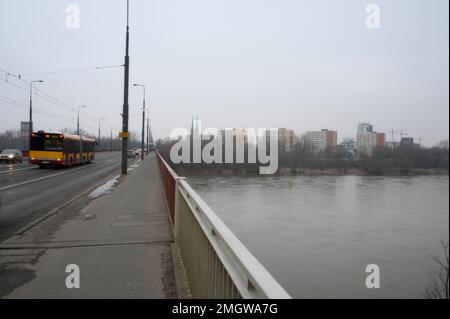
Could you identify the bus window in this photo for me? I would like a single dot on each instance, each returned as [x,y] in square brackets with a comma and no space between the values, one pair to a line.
[53,145]
[41,143]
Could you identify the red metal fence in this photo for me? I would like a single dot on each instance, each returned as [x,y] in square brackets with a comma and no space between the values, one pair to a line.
[169,178]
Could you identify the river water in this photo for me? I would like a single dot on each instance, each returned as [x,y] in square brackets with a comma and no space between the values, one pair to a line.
[316,235]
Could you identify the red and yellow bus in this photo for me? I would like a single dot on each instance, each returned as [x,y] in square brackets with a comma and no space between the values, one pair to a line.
[60,149]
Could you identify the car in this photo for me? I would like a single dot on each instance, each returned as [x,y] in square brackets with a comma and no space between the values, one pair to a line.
[137,151]
[131,154]
[11,156]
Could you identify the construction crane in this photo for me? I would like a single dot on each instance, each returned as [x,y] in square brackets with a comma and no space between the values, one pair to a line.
[420,139]
[401,133]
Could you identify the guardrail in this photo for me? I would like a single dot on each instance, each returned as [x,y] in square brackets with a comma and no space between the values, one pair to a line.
[217,264]
[169,178]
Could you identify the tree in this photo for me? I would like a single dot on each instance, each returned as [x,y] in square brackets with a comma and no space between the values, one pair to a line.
[443,144]
[438,287]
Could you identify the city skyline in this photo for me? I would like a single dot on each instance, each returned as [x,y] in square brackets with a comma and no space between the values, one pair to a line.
[294,66]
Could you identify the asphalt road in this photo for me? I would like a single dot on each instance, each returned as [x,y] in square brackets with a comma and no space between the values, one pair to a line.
[27,192]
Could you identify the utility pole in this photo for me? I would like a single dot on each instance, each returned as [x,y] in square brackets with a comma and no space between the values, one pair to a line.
[30,125]
[100,119]
[125,98]
[392,135]
[148,133]
[78,119]
[143,121]
[111,141]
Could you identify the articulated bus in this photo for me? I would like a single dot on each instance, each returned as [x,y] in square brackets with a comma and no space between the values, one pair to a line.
[60,149]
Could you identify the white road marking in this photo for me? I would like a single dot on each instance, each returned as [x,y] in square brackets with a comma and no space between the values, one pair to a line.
[16,170]
[43,178]
[12,170]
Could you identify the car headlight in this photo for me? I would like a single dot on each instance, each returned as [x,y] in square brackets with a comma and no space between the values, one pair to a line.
[11,156]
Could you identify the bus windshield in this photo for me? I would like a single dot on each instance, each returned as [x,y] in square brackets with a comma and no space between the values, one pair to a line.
[42,143]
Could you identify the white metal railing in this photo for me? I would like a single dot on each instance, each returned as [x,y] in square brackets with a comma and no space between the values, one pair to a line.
[217,264]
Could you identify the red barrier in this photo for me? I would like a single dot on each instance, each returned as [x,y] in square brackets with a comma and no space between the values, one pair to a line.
[168,177]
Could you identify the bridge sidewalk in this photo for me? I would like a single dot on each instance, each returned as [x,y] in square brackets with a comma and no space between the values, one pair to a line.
[121,241]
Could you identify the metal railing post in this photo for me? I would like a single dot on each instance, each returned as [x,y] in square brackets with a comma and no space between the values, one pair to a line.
[177,210]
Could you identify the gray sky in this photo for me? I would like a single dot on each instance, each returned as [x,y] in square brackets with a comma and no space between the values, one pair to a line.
[304,65]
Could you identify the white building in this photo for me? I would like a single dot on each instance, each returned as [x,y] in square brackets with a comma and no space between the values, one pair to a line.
[367,140]
[320,141]
[286,139]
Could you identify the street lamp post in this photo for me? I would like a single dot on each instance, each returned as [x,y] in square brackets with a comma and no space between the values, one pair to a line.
[111,144]
[100,119]
[148,133]
[124,169]
[78,119]
[143,121]
[31,111]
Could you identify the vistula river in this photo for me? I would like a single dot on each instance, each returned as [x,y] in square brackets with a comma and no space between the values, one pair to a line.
[316,235]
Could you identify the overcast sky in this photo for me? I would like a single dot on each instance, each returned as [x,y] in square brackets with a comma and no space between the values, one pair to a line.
[304,65]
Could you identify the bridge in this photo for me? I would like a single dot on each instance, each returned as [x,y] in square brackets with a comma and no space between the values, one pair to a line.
[144,235]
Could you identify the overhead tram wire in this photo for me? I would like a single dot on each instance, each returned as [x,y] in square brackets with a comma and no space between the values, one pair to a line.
[72,70]
[11,101]
[44,95]
[68,107]
[23,106]
[38,92]
[47,96]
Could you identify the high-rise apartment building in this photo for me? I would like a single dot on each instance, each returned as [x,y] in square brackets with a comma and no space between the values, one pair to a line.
[367,139]
[320,141]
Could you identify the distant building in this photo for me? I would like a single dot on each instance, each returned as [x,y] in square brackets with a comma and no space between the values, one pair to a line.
[348,144]
[407,142]
[364,128]
[367,139]
[286,140]
[392,144]
[320,141]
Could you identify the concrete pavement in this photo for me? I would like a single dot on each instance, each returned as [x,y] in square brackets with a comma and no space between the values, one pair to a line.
[122,243]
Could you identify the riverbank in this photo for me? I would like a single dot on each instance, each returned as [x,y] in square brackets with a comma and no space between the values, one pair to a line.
[215,170]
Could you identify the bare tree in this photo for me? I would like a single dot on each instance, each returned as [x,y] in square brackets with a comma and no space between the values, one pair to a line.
[443,144]
[438,287]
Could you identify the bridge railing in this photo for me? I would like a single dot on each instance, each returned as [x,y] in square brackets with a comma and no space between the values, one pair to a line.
[217,264]
[168,177]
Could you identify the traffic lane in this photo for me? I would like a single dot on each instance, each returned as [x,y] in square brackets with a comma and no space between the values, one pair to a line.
[9,167]
[13,194]
[4,167]
[23,204]
[34,172]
